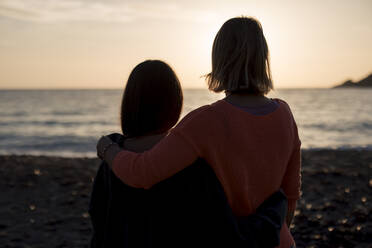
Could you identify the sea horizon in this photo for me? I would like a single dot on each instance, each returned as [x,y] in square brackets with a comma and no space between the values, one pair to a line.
[67,123]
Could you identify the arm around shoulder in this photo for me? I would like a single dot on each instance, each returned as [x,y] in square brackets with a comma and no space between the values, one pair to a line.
[143,170]
[180,148]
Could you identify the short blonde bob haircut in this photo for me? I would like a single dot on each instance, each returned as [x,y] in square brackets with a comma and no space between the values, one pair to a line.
[240,58]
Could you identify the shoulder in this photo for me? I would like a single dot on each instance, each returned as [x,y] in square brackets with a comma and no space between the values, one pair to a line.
[282,103]
[287,113]
[200,116]
[286,109]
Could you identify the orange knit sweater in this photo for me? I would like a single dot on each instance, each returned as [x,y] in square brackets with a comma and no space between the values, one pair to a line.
[252,156]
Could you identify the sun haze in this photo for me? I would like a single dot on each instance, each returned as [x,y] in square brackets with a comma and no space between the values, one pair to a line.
[95,44]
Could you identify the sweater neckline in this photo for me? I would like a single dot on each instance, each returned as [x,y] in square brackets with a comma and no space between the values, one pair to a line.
[237,109]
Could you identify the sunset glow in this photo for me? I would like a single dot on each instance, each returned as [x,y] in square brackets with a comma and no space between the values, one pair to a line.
[95,44]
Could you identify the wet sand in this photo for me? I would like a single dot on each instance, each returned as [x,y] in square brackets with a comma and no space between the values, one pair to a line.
[44,200]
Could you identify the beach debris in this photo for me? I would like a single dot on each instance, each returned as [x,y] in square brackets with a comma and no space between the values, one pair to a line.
[37,172]
[85,215]
[32,207]
[331,228]
[316,236]
[347,190]
[364,199]
[358,227]
[309,206]
[319,216]
[297,212]
[343,221]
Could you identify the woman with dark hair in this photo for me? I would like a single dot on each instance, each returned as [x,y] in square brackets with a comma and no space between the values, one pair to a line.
[189,207]
[151,105]
[152,100]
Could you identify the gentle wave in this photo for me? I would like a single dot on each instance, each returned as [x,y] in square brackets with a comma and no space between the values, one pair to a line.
[68,123]
[53,123]
[340,127]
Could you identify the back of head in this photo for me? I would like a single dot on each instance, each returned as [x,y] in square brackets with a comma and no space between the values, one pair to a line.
[240,58]
[152,99]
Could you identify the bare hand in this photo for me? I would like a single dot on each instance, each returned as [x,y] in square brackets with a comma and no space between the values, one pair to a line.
[102,143]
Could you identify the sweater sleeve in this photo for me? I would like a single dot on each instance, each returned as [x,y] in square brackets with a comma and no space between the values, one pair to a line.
[172,154]
[292,179]
[291,183]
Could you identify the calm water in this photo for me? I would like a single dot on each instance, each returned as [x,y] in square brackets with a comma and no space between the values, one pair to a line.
[68,123]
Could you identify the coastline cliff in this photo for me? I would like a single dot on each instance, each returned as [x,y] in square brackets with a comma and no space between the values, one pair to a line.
[365,82]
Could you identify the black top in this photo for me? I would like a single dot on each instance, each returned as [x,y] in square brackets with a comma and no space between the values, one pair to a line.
[189,209]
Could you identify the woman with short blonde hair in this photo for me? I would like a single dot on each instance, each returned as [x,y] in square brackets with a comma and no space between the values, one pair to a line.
[240,58]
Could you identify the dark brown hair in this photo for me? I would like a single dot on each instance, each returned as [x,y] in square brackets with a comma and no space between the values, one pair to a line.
[240,58]
[152,99]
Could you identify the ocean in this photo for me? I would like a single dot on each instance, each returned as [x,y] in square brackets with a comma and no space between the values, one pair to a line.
[68,123]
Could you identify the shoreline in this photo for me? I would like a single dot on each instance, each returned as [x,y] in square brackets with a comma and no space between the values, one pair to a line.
[44,200]
[68,155]
[94,155]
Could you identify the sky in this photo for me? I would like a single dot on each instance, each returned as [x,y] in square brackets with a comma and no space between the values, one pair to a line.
[95,44]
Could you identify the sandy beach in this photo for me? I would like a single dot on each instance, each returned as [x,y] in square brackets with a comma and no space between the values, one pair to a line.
[44,200]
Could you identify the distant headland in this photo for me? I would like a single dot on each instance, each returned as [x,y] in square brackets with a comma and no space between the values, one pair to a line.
[365,82]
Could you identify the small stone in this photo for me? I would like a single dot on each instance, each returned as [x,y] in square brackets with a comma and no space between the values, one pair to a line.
[358,228]
[85,215]
[37,172]
[308,206]
[347,190]
[330,229]
[32,221]
[32,207]
[364,199]
[343,221]
[316,236]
